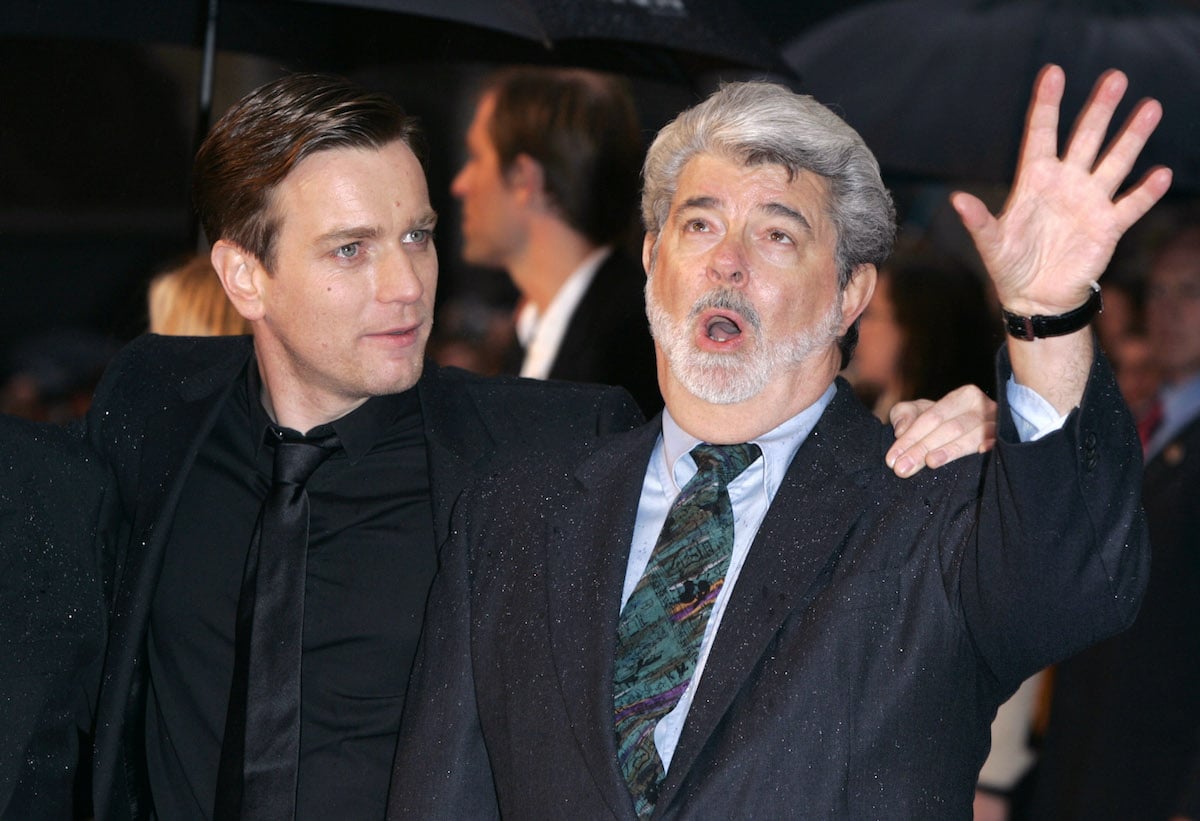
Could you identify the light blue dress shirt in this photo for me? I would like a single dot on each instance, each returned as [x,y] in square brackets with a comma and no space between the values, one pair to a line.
[751,493]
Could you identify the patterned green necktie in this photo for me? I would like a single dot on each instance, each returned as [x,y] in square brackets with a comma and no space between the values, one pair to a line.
[658,637]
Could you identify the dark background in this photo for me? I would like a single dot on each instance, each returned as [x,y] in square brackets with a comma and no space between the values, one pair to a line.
[99,115]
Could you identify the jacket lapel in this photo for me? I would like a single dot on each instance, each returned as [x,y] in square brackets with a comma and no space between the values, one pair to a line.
[458,439]
[588,549]
[790,560]
[170,440]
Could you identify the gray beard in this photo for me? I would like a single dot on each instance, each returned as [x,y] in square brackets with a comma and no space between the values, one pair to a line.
[729,378]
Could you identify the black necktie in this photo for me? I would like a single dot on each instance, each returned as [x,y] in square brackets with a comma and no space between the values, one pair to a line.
[260,752]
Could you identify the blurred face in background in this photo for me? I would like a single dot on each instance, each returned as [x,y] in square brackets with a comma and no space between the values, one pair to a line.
[1173,307]
[492,231]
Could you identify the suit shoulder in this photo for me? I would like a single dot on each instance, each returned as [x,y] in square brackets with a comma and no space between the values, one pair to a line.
[150,362]
[170,354]
[35,448]
[547,405]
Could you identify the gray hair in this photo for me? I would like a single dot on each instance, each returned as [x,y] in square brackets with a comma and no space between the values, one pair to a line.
[756,123]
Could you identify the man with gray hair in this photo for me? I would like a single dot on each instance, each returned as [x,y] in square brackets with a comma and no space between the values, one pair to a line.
[736,611]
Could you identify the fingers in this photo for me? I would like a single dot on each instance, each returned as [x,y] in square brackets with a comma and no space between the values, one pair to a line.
[1091,125]
[1134,203]
[1041,121]
[1123,152]
[961,423]
[904,414]
[977,219]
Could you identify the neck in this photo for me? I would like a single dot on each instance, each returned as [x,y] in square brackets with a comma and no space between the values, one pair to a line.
[294,404]
[782,399]
[547,260]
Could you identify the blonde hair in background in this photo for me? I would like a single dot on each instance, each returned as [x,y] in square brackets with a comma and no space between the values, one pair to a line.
[189,301]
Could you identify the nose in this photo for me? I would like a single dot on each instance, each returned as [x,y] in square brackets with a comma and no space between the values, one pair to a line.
[728,263]
[397,279]
[458,185]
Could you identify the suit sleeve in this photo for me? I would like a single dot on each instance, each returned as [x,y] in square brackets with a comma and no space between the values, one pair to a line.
[1060,558]
[442,769]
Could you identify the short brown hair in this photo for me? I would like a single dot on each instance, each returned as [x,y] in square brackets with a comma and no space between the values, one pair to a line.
[582,128]
[267,133]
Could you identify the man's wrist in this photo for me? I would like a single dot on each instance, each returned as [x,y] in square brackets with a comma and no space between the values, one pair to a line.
[1040,326]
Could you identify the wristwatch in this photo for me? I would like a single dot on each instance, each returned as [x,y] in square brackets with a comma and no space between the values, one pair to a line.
[1039,327]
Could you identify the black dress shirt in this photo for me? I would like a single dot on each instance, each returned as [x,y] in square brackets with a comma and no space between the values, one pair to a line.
[370,562]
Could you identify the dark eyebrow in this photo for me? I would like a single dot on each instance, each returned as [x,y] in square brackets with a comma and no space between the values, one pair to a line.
[777,209]
[700,202]
[356,232]
[780,210]
[426,220]
[349,234]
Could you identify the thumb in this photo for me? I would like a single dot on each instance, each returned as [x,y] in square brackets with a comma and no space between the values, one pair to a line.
[976,218]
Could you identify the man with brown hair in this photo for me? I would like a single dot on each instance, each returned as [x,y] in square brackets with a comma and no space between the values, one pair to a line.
[313,193]
[548,193]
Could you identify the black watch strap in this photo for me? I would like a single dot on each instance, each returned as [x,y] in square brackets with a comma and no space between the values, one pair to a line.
[1039,327]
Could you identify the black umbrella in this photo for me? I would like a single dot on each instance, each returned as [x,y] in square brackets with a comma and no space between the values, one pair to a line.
[680,40]
[940,87]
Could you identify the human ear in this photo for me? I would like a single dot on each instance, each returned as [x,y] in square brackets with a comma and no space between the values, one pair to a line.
[648,243]
[857,294]
[238,271]
[527,179]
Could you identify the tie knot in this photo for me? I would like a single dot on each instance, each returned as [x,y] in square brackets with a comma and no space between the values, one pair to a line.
[296,459]
[726,461]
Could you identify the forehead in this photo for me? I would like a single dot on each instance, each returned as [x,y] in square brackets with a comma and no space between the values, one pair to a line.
[731,185]
[481,121]
[366,183]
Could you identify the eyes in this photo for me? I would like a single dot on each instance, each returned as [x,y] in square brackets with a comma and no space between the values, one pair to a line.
[417,238]
[773,236]
[348,251]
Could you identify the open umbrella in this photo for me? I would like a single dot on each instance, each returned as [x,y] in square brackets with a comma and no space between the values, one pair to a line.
[939,87]
[678,40]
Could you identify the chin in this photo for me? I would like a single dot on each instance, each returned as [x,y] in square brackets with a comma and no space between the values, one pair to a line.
[395,379]
[722,382]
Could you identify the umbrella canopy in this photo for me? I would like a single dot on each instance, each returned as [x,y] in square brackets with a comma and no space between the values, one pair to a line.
[939,87]
[672,38]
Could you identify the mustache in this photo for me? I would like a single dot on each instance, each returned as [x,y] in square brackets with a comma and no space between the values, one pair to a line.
[727,300]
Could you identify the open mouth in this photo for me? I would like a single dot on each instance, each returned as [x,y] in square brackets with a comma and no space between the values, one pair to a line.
[722,328]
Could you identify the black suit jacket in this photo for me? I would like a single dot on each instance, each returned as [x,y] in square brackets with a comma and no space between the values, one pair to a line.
[52,499]
[1124,735]
[874,629]
[608,339]
[151,413]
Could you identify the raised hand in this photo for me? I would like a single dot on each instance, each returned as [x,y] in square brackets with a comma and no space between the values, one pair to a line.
[1063,217]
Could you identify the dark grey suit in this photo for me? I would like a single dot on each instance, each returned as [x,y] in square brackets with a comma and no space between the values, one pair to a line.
[874,629]
[52,498]
[150,415]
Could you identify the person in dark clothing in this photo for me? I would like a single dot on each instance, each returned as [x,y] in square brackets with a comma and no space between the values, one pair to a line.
[53,493]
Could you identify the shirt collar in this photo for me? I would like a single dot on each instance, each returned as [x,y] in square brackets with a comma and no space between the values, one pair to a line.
[1181,401]
[778,446]
[532,324]
[358,431]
